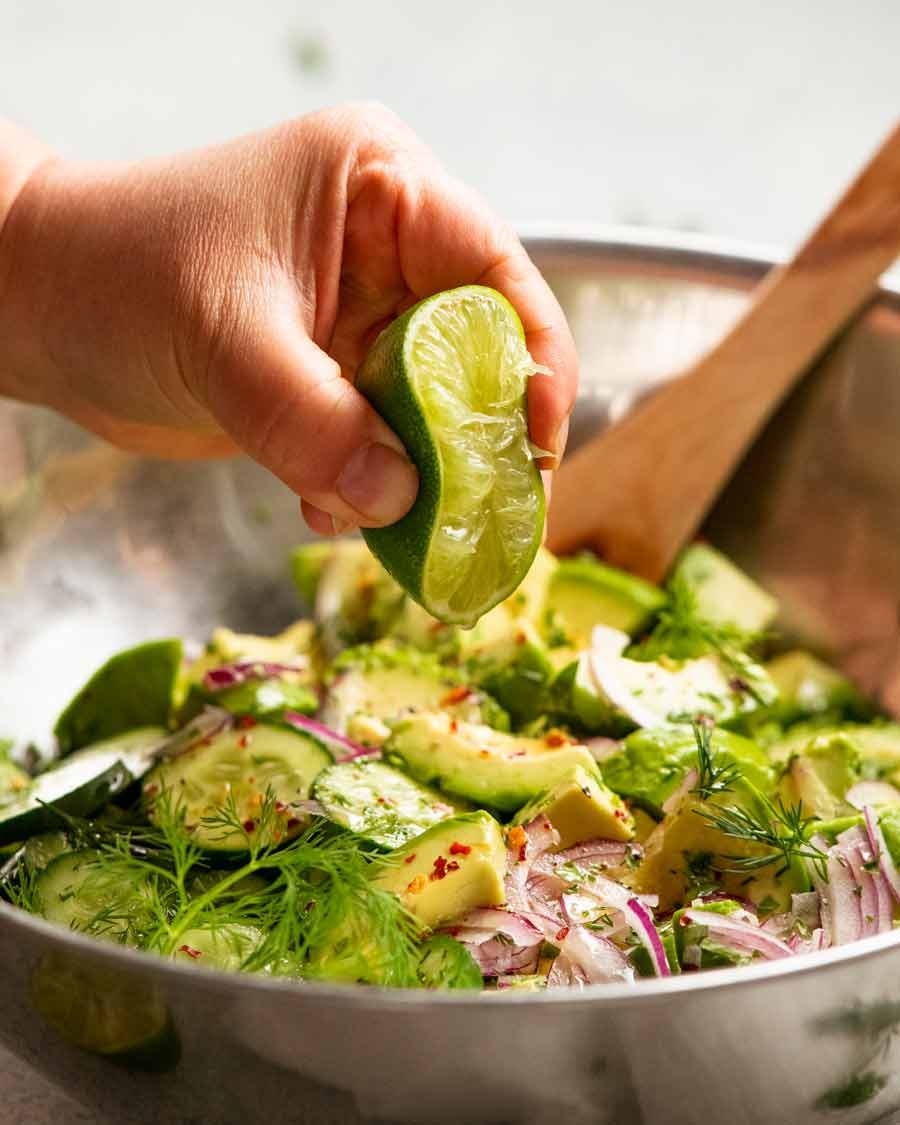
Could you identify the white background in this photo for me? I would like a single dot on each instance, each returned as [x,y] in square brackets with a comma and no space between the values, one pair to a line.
[737,119]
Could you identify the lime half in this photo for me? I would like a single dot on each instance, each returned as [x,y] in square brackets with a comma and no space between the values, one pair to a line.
[449,376]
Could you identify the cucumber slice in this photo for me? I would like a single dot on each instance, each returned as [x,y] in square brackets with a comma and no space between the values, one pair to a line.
[380,803]
[220,947]
[262,699]
[446,963]
[74,891]
[132,689]
[80,784]
[234,769]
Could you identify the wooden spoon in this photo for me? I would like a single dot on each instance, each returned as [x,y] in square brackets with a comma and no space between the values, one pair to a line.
[639,491]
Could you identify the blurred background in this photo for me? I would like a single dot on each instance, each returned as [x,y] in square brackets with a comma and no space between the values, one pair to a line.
[737,120]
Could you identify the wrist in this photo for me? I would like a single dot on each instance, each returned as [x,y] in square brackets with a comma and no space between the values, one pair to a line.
[24,160]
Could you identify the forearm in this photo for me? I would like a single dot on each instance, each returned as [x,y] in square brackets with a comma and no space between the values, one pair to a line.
[22,158]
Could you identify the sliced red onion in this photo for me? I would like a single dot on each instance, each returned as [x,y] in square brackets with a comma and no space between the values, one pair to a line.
[605,853]
[230,675]
[516,927]
[203,727]
[880,851]
[341,748]
[498,958]
[587,958]
[740,936]
[850,846]
[843,900]
[639,918]
[872,793]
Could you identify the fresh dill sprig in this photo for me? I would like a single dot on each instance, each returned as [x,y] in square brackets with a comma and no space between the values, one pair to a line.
[682,633]
[714,774]
[307,897]
[780,828]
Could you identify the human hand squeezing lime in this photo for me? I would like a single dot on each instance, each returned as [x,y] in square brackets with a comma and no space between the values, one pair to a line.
[225,300]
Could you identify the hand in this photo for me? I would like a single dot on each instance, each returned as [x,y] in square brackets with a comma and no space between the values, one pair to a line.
[223,299]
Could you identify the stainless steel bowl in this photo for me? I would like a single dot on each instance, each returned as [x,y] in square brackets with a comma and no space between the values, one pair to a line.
[99,549]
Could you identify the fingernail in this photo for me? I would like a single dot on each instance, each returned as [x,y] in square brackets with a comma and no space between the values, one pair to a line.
[379,483]
[562,436]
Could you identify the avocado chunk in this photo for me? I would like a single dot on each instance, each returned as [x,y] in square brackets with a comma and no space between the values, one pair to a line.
[380,803]
[487,766]
[515,670]
[724,594]
[374,685]
[644,693]
[820,776]
[584,592]
[807,687]
[307,564]
[134,688]
[580,807]
[686,856]
[449,870]
[654,762]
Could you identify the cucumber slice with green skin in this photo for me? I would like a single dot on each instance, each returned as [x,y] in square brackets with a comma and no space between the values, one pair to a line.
[235,769]
[132,689]
[446,963]
[80,784]
[379,803]
[220,947]
[75,891]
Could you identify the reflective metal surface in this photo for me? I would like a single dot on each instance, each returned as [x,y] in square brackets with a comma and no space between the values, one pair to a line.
[98,549]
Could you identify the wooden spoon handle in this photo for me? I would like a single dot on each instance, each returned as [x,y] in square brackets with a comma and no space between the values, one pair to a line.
[639,491]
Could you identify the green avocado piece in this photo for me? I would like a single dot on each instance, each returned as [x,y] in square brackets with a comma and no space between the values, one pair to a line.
[489,767]
[516,671]
[134,688]
[653,763]
[807,687]
[584,592]
[580,807]
[889,822]
[379,803]
[450,869]
[724,594]
[446,963]
[307,563]
[820,776]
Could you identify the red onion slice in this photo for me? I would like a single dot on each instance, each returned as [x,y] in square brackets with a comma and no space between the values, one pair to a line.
[872,793]
[230,675]
[880,850]
[516,927]
[341,748]
[740,936]
[843,900]
[640,921]
[586,958]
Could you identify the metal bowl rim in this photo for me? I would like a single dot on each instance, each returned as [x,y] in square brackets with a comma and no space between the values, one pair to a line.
[664,245]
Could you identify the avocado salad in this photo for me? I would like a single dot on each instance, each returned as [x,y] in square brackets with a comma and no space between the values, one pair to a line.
[602,780]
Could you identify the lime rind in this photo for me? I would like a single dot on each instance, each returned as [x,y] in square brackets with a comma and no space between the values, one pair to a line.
[466,357]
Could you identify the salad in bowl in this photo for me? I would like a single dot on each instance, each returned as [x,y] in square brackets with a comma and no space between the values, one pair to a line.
[603,780]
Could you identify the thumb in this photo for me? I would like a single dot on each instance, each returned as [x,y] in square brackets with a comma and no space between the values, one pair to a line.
[286,403]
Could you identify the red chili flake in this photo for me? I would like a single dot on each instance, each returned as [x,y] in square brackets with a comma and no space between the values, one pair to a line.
[460,849]
[280,807]
[484,753]
[244,741]
[556,738]
[151,790]
[517,837]
[293,822]
[521,638]
[454,726]
[191,952]
[249,826]
[456,695]
[682,921]
[620,814]
[453,865]
[245,722]
[562,934]
[380,801]
[440,868]
[410,858]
